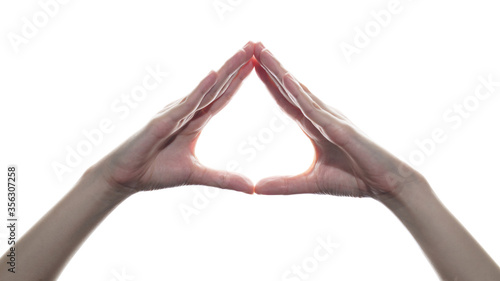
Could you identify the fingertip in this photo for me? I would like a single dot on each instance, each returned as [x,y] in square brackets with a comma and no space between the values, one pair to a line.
[249,47]
[212,77]
[259,47]
[244,184]
[265,186]
[248,50]
[235,181]
[250,188]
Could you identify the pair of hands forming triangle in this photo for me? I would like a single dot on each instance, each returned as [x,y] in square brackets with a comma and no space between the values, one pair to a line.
[346,162]
[162,155]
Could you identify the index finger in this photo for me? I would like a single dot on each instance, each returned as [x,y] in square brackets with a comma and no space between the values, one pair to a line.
[227,72]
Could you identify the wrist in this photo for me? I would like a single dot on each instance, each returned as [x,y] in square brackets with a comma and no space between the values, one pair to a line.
[93,180]
[410,196]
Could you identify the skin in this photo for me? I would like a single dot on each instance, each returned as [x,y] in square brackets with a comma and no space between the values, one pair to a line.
[161,155]
[347,163]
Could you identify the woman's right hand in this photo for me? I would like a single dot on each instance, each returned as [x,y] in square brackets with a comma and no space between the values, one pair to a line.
[346,162]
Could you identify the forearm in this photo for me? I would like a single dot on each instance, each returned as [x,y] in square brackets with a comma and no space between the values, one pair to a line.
[453,252]
[44,250]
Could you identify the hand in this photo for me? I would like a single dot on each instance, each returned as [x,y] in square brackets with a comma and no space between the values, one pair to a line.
[346,162]
[162,154]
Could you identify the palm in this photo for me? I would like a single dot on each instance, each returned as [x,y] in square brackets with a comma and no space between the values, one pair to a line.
[175,164]
[172,166]
[336,174]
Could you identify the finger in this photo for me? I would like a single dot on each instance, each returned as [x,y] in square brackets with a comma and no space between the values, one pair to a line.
[273,65]
[221,179]
[259,48]
[323,105]
[278,72]
[233,87]
[290,109]
[204,115]
[267,60]
[227,72]
[331,127]
[170,120]
[284,185]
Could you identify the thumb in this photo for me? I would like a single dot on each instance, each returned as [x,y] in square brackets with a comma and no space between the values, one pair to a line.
[222,179]
[283,185]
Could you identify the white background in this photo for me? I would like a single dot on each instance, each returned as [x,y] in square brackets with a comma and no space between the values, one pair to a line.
[428,58]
